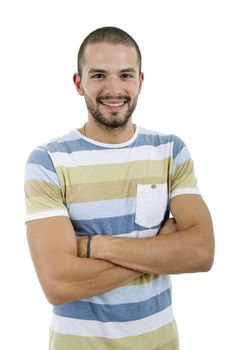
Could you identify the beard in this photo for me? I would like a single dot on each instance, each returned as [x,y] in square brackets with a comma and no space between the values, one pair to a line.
[113,121]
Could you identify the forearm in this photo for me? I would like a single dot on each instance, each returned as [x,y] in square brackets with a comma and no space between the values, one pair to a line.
[82,278]
[177,252]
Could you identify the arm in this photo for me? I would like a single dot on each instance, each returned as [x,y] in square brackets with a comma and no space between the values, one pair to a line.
[190,249]
[63,275]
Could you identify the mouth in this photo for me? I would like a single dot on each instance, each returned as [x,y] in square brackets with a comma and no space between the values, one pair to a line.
[117,104]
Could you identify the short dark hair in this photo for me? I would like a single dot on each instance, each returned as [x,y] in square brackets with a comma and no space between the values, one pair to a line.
[112,35]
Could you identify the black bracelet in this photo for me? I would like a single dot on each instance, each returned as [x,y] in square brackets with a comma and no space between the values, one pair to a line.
[89,246]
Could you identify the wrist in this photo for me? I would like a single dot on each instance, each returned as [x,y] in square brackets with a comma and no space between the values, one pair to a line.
[101,247]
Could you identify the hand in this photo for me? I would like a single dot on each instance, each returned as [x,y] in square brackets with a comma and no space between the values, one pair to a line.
[169,227]
[82,246]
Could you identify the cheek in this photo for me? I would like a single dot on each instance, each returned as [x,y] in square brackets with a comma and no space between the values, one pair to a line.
[93,89]
[134,89]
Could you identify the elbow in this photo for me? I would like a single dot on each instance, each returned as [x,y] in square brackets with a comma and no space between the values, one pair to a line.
[54,299]
[61,292]
[208,262]
[54,294]
[57,293]
[206,259]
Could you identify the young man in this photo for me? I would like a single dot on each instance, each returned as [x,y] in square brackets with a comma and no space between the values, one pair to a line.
[98,201]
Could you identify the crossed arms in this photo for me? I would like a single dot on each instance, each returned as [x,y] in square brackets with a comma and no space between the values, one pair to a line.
[65,275]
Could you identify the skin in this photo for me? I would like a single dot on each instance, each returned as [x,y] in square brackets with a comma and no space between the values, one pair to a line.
[110,75]
[190,249]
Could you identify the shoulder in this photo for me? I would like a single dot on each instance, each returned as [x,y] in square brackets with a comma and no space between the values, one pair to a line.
[43,153]
[157,138]
[61,143]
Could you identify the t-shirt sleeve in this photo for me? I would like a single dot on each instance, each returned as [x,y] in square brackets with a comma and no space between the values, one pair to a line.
[183,178]
[43,195]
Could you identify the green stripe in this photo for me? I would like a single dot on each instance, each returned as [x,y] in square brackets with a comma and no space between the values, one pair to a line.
[171,345]
[42,196]
[159,339]
[114,172]
[184,176]
[146,278]
[91,192]
[34,188]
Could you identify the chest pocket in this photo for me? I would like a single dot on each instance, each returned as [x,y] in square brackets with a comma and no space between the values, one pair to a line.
[151,204]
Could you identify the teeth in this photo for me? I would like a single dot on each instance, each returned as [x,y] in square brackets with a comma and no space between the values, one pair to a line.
[113,104]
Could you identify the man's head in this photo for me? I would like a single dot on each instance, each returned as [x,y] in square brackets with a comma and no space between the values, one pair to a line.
[110,35]
[109,76]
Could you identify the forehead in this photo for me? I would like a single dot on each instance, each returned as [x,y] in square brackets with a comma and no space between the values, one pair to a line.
[109,56]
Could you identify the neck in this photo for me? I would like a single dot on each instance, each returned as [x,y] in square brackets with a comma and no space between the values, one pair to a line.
[106,135]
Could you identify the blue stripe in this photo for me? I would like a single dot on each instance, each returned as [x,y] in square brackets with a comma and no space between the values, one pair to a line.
[37,172]
[178,145]
[74,146]
[42,158]
[70,136]
[79,144]
[115,313]
[181,158]
[69,146]
[108,226]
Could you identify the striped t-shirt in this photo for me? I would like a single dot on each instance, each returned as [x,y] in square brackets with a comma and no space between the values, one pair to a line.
[114,189]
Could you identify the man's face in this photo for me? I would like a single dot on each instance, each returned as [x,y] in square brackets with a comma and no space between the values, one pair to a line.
[110,83]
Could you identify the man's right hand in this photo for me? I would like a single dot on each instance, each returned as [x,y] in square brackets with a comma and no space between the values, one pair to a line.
[82,246]
[169,227]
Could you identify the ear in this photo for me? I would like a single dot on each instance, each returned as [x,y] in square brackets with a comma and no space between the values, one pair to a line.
[77,83]
[141,78]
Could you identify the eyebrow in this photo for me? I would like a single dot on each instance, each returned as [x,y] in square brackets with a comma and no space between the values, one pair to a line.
[128,70]
[96,70]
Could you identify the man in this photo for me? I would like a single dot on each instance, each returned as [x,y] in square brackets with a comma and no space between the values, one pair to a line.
[98,202]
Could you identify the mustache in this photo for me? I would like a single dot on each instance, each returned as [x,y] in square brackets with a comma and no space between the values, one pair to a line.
[111,97]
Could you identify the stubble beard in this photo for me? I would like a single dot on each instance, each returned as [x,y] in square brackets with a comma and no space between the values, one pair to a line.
[113,121]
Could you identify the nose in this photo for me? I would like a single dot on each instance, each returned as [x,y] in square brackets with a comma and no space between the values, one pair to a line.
[113,86]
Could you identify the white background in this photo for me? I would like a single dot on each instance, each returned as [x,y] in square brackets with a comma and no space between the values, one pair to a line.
[188,90]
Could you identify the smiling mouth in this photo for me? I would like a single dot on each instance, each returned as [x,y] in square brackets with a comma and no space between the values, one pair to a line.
[111,103]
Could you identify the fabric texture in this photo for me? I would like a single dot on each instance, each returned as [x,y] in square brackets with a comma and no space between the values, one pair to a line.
[112,189]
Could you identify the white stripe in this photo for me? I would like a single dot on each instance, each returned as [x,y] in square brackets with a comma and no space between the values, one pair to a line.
[133,294]
[186,190]
[111,330]
[102,209]
[46,214]
[82,158]
[140,234]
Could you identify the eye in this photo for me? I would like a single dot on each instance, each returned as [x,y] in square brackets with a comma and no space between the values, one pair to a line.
[126,76]
[97,76]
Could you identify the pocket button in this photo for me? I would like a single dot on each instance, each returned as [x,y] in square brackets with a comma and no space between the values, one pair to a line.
[153,186]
